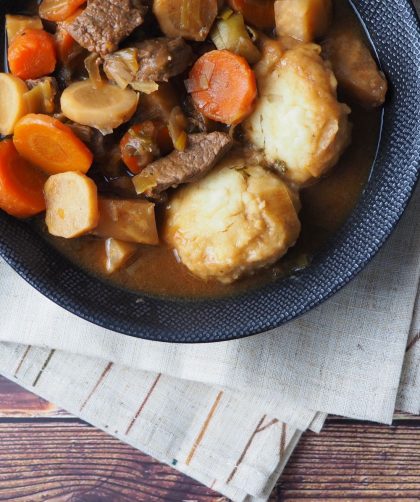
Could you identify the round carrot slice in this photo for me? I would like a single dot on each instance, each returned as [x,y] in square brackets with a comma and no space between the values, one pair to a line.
[223,86]
[32,54]
[51,145]
[21,185]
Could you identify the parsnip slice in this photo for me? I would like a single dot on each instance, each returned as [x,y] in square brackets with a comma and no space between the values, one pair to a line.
[41,97]
[72,204]
[127,220]
[105,107]
[305,20]
[117,254]
[12,103]
[191,20]
[15,25]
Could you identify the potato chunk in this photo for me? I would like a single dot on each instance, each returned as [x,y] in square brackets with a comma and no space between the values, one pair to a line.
[72,204]
[298,122]
[117,254]
[127,220]
[232,222]
[356,70]
[305,20]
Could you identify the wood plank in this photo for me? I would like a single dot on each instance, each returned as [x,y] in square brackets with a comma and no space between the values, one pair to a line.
[18,402]
[355,461]
[73,461]
[69,460]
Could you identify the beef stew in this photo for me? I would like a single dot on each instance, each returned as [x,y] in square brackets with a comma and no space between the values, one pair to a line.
[275,234]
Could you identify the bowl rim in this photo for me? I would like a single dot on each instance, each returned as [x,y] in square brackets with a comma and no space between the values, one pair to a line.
[182,320]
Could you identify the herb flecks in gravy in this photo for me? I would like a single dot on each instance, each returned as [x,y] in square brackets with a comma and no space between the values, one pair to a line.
[246,185]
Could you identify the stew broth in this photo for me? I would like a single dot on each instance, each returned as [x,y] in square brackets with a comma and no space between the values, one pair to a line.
[325,207]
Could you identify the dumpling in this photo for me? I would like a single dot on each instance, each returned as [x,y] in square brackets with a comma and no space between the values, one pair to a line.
[298,121]
[237,219]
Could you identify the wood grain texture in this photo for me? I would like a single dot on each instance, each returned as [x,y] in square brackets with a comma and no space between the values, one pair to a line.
[45,454]
[17,402]
[69,460]
[353,460]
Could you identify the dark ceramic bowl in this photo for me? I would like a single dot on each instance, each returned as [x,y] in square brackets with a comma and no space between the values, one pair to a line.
[394,30]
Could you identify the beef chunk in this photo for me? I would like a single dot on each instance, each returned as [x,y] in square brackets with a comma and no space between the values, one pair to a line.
[159,59]
[105,23]
[203,152]
[163,58]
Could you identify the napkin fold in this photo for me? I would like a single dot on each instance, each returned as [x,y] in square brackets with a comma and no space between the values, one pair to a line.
[230,414]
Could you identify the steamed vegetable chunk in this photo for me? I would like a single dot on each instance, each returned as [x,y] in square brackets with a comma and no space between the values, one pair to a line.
[21,185]
[298,122]
[231,33]
[305,20]
[117,254]
[223,87]
[50,145]
[16,25]
[12,102]
[190,19]
[356,70]
[41,95]
[236,220]
[32,54]
[104,108]
[127,220]
[72,205]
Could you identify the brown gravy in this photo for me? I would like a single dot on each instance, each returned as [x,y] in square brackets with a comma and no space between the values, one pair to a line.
[325,207]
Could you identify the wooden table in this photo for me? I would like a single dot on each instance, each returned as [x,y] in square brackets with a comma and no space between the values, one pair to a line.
[47,454]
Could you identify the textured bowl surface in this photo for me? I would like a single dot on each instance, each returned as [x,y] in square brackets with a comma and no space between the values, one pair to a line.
[394,29]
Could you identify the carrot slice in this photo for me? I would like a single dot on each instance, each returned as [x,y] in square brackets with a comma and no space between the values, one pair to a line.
[223,86]
[32,54]
[21,185]
[259,13]
[58,10]
[51,145]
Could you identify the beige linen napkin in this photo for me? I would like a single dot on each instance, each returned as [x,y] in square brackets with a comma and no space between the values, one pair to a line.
[229,414]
